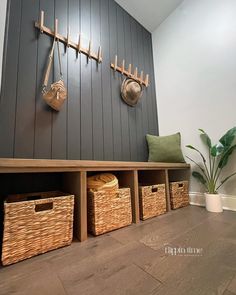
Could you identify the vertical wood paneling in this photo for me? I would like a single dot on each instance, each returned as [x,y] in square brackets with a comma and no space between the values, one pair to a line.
[94,122]
[136,43]
[97,109]
[125,136]
[86,92]
[115,84]
[131,46]
[144,96]
[43,114]
[9,83]
[26,86]
[59,124]
[73,115]
[148,89]
[106,83]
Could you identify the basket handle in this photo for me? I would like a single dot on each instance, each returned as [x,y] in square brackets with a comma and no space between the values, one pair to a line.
[43,207]
[154,189]
[180,185]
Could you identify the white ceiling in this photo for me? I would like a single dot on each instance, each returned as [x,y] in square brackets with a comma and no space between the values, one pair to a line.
[150,13]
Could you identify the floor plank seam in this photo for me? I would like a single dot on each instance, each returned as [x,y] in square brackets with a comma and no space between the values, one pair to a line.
[156,279]
[117,240]
[62,284]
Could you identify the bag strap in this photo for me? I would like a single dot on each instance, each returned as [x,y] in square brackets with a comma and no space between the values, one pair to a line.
[46,78]
[50,58]
[59,59]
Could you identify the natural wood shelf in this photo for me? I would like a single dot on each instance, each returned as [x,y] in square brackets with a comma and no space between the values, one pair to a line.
[35,165]
[74,179]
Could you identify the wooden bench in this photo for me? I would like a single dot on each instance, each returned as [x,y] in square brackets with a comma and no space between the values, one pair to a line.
[75,172]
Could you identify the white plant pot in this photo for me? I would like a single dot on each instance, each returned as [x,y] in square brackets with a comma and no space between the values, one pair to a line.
[214,203]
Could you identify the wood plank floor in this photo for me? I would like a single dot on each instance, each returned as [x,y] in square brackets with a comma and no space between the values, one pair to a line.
[138,260]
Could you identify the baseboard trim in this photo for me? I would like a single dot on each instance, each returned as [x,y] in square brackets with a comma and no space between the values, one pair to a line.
[198,199]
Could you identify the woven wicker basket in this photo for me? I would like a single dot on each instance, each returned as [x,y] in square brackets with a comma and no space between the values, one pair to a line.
[179,194]
[36,223]
[108,210]
[152,200]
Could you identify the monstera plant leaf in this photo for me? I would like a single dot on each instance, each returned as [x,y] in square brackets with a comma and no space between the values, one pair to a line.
[217,149]
[227,139]
[193,148]
[205,138]
[224,160]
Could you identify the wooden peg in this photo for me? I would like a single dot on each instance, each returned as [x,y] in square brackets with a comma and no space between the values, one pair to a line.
[41,21]
[68,37]
[136,73]
[146,80]
[130,69]
[123,67]
[141,76]
[99,54]
[89,49]
[56,28]
[115,64]
[79,43]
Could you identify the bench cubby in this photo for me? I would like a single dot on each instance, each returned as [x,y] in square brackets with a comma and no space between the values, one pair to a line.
[28,175]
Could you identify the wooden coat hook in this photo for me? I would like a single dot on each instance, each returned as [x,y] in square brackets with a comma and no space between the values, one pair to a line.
[68,37]
[100,54]
[67,40]
[79,44]
[89,49]
[128,72]
[56,28]
[41,24]
[123,67]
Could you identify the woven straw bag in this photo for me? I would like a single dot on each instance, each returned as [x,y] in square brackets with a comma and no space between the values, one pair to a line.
[57,93]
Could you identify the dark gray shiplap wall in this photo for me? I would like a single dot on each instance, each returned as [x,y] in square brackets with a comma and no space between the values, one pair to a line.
[94,122]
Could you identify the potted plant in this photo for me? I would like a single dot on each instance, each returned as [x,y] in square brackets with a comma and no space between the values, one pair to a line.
[210,171]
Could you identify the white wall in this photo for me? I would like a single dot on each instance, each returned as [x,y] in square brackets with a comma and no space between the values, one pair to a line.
[3,5]
[151,15]
[195,69]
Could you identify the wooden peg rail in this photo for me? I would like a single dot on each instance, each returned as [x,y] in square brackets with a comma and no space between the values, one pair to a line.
[129,73]
[67,40]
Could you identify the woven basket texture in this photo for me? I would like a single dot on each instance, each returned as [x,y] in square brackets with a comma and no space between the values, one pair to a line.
[152,200]
[36,223]
[179,194]
[108,210]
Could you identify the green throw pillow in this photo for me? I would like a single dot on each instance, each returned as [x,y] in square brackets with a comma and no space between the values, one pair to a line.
[165,148]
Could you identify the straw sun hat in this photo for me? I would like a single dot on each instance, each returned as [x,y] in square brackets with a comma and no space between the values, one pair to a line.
[131,91]
[102,181]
